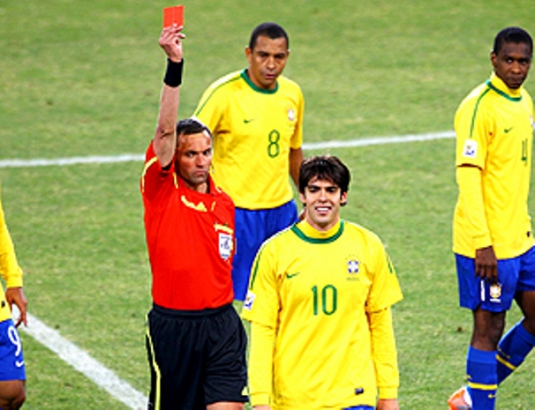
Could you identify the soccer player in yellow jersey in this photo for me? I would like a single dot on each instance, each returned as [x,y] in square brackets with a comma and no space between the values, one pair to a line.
[12,369]
[256,118]
[492,234]
[319,303]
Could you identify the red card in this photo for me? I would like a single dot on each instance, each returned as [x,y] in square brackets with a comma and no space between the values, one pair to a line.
[174,15]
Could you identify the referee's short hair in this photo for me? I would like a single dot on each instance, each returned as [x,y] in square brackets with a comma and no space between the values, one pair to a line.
[189,126]
[324,167]
[512,35]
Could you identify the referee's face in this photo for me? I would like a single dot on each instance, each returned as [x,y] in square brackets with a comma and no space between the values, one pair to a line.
[193,160]
[322,200]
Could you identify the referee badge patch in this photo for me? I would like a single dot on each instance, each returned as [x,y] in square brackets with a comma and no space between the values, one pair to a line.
[225,245]
[470,148]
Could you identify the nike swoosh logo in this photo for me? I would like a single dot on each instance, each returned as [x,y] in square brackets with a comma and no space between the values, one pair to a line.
[19,364]
[292,275]
[507,130]
[246,121]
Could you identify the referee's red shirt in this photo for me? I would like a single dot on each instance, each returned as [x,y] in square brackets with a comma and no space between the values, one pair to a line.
[190,239]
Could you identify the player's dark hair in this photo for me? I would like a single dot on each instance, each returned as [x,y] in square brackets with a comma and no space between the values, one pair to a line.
[512,35]
[270,30]
[324,167]
[190,126]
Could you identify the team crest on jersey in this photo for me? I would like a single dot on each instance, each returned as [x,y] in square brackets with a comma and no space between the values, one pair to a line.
[291,114]
[353,266]
[249,300]
[470,148]
[225,245]
[495,293]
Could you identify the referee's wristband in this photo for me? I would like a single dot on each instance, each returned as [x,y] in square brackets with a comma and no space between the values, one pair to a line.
[173,74]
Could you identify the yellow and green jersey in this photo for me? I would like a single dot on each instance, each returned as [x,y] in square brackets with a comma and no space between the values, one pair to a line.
[9,267]
[318,292]
[253,130]
[494,127]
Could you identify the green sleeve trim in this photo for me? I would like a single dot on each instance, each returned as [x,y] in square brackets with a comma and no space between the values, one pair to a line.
[255,268]
[475,111]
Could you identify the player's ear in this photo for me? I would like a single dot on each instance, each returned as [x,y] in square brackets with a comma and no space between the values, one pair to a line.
[343,199]
[302,198]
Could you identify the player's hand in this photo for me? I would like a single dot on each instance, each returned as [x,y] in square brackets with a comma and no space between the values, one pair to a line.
[170,41]
[387,404]
[487,264]
[16,296]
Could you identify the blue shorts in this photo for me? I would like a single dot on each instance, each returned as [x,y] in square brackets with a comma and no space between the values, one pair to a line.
[359,408]
[252,229]
[514,275]
[11,358]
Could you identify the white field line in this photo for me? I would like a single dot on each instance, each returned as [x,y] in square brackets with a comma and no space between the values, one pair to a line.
[81,360]
[84,363]
[23,163]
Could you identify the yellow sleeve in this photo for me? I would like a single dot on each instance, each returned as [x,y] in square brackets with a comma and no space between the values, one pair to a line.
[261,308]
[262,301]
[474,126]
[385,290]
[213,103]
[297,138]
[260,369]
[472,205]
[384,353]
[9,267]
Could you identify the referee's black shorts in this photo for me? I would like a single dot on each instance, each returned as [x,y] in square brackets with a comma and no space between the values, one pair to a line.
[196,358]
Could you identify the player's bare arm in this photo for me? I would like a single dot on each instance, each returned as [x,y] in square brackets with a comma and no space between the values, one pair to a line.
[165,134]
[296,158]
[16,296]
[387,404]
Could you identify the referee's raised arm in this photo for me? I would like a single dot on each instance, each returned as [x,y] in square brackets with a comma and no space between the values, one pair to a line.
[164,141]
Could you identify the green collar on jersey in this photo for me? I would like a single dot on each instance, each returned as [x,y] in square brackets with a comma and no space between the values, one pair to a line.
[502,93]
[255,87]
[309,239]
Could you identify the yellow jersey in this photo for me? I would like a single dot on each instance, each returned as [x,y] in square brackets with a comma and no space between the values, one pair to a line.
[318,292]
[494,127]
[253,131]
[9,267]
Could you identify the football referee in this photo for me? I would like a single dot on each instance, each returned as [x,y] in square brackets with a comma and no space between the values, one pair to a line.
[195,339]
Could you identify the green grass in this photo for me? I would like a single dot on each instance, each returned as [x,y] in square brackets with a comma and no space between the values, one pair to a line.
[83,78]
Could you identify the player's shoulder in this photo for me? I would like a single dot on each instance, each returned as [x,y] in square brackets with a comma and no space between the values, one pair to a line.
[480,99]
[526,95]
[226,81]
[222,196]
[279,240]
[285,82]
[361,233]
[476,93]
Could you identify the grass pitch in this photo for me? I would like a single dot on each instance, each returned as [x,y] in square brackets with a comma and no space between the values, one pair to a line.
[83,78]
